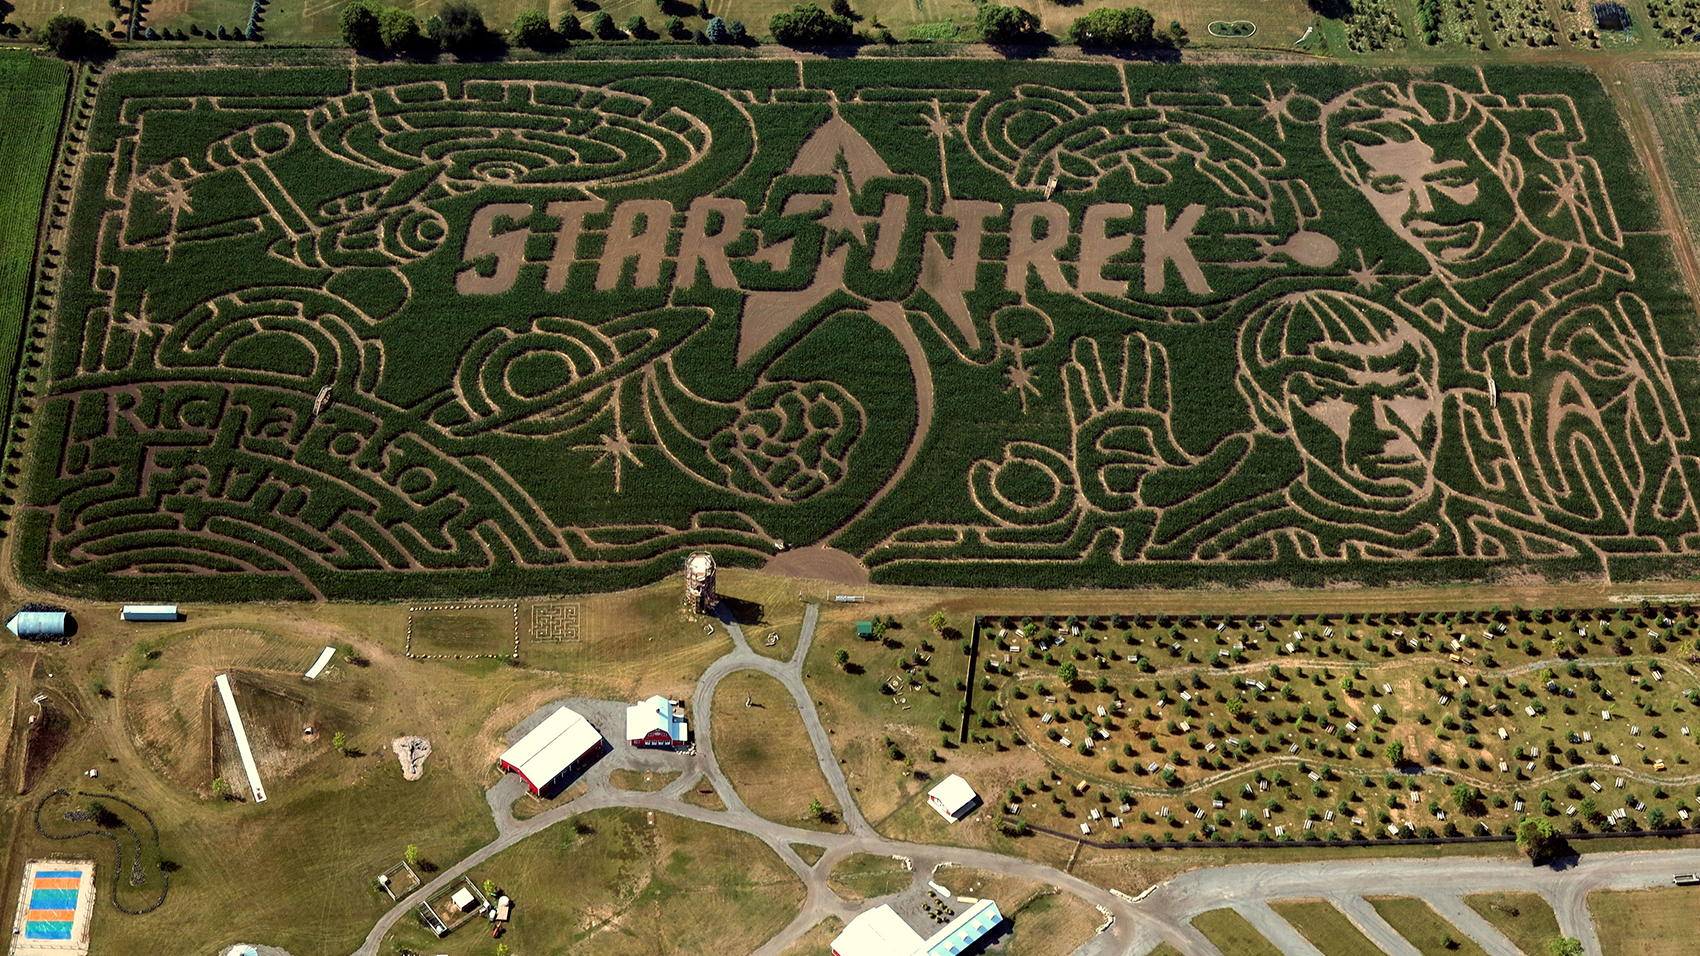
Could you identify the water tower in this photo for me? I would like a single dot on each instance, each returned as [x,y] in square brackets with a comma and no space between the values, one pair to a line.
[699,583]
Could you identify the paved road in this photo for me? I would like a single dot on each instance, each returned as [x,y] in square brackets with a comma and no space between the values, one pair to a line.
[1163,916]
[1442,882]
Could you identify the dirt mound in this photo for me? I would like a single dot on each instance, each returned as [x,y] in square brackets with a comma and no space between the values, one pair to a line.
[818,564]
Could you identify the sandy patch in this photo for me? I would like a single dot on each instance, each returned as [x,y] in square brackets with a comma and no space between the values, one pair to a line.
[818,563]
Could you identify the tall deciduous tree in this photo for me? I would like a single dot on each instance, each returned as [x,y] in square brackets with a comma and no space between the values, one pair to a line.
[1108,26]
[1000,24]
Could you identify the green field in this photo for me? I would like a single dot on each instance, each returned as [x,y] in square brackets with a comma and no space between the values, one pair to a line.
[425,330]
[1233,934]
[1426,929]
[32,97]
[1328,929]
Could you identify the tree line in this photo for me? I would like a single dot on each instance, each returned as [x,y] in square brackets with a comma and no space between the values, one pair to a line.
[459,28]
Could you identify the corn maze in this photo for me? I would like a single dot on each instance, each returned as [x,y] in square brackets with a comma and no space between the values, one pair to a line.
[440,331]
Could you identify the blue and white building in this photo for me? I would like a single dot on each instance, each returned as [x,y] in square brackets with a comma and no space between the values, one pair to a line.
[881,932]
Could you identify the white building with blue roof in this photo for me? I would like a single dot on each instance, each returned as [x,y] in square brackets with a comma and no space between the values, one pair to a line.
[881,932]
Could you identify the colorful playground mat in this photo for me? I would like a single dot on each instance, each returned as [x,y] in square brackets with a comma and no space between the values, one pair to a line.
[53,909]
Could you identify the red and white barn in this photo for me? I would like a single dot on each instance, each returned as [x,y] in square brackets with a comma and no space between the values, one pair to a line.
[564,742]
[657,722]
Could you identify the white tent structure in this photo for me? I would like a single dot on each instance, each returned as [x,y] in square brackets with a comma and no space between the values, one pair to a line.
[564,741]
[881,932]
[952,798]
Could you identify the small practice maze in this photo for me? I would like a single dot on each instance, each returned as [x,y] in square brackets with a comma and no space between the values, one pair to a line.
[452,330]
[556,624]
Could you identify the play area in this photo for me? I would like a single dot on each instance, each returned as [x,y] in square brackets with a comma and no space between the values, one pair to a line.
[54,906]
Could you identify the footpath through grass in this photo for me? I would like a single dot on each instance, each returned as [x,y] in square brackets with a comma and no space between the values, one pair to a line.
[1233,934]
[1427,930]
[1525,918]
[1327,928]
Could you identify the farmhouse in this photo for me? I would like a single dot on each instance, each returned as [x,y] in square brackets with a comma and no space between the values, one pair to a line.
[881,932]
[656,722]
[564,742]
[953,798]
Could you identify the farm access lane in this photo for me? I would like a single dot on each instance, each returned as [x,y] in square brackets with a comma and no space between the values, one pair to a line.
[1442,882]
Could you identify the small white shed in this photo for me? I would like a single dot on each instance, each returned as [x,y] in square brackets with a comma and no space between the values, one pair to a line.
[952,798]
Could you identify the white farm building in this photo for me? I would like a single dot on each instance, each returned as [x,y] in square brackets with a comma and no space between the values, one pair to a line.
[953,798]
[881,932]
[563,742]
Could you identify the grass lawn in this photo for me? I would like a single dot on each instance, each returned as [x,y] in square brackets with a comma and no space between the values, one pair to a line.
[471,629]
[1326,927]
[1427,930]
[817,940]
[1525,918]
[609,883]
[703,795]
[864,876]
[810,853]
[1657,922]
[1232,934]
[642,781]
[921,719]
[766,754]
[1164,949]
[317,895]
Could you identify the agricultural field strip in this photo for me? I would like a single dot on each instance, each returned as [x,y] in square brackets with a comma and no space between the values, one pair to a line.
[385,393]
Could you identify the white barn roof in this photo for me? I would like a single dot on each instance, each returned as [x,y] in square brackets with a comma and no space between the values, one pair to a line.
[878,932]
[881,932]
[951,797]
[655,713]
[552,747]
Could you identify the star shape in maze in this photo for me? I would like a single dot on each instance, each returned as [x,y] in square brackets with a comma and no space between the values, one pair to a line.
[1365,275]
[176,199]
[1020,379]
[616,448]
